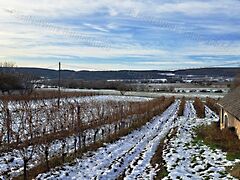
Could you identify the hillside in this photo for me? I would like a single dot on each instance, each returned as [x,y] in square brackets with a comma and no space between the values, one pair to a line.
[125,74]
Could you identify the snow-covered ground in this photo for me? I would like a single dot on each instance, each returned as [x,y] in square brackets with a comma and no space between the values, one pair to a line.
[147,94]
[203,89]
[11,163]
[132,152]
[115,98]
[190,160]
[177,95]
[130,156]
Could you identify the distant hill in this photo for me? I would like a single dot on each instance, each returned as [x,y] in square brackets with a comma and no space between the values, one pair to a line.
[213,72]
[125,74]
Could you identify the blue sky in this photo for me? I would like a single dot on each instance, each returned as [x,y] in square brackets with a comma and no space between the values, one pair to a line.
[120,34]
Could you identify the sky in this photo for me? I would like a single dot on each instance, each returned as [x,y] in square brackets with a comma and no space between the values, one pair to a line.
[120,34]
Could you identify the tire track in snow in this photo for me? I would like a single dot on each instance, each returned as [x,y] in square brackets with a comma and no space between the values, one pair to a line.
[150,142]
[148,171]
[142,162]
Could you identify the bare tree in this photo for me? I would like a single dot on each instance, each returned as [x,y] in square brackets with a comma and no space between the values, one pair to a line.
[7,120]
[122,87]
[26,152]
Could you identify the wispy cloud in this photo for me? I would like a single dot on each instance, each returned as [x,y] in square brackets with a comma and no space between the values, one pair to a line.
[114,34]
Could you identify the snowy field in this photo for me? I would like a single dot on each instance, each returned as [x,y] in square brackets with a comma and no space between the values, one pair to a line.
[147,94]
[190,160]
[177,95]
[133,152]
[11,162]
[130,156]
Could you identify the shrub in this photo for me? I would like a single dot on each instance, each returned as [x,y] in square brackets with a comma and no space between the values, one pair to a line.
[223,139]
[181,107]
[199,107]
[212,104]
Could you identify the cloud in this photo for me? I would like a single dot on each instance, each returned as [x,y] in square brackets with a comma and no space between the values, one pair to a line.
[92,26]
[173,62]
[145,34]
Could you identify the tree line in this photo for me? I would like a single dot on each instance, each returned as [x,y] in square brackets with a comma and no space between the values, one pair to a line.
[12,81]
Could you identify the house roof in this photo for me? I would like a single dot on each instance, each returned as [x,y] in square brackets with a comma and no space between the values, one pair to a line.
[231,102]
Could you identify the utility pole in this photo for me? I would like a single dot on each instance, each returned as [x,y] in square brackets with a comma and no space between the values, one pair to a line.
[59,83]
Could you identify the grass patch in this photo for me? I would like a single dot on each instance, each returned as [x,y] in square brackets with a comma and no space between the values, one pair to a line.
[199,107]
[215,138]
[225,139]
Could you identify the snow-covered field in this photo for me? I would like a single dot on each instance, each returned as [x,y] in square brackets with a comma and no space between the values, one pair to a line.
[133,152]
[147,94]
[190,160]
[177,95]
[130,156]
[11,163]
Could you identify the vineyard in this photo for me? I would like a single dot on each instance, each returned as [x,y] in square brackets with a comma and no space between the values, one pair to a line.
[39,132]
[95,136]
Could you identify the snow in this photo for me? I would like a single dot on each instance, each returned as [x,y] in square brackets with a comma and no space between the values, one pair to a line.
[177,95]
[190,160]
[146,94]
[131,155]
[117,98]
[11,162]
[110,161]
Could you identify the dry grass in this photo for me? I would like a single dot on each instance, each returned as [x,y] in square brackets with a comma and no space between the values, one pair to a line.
[158,156]
[181,107]
[200,108]
[235,170]
[212,104]
[225,140]
[222,139]
[46,94]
